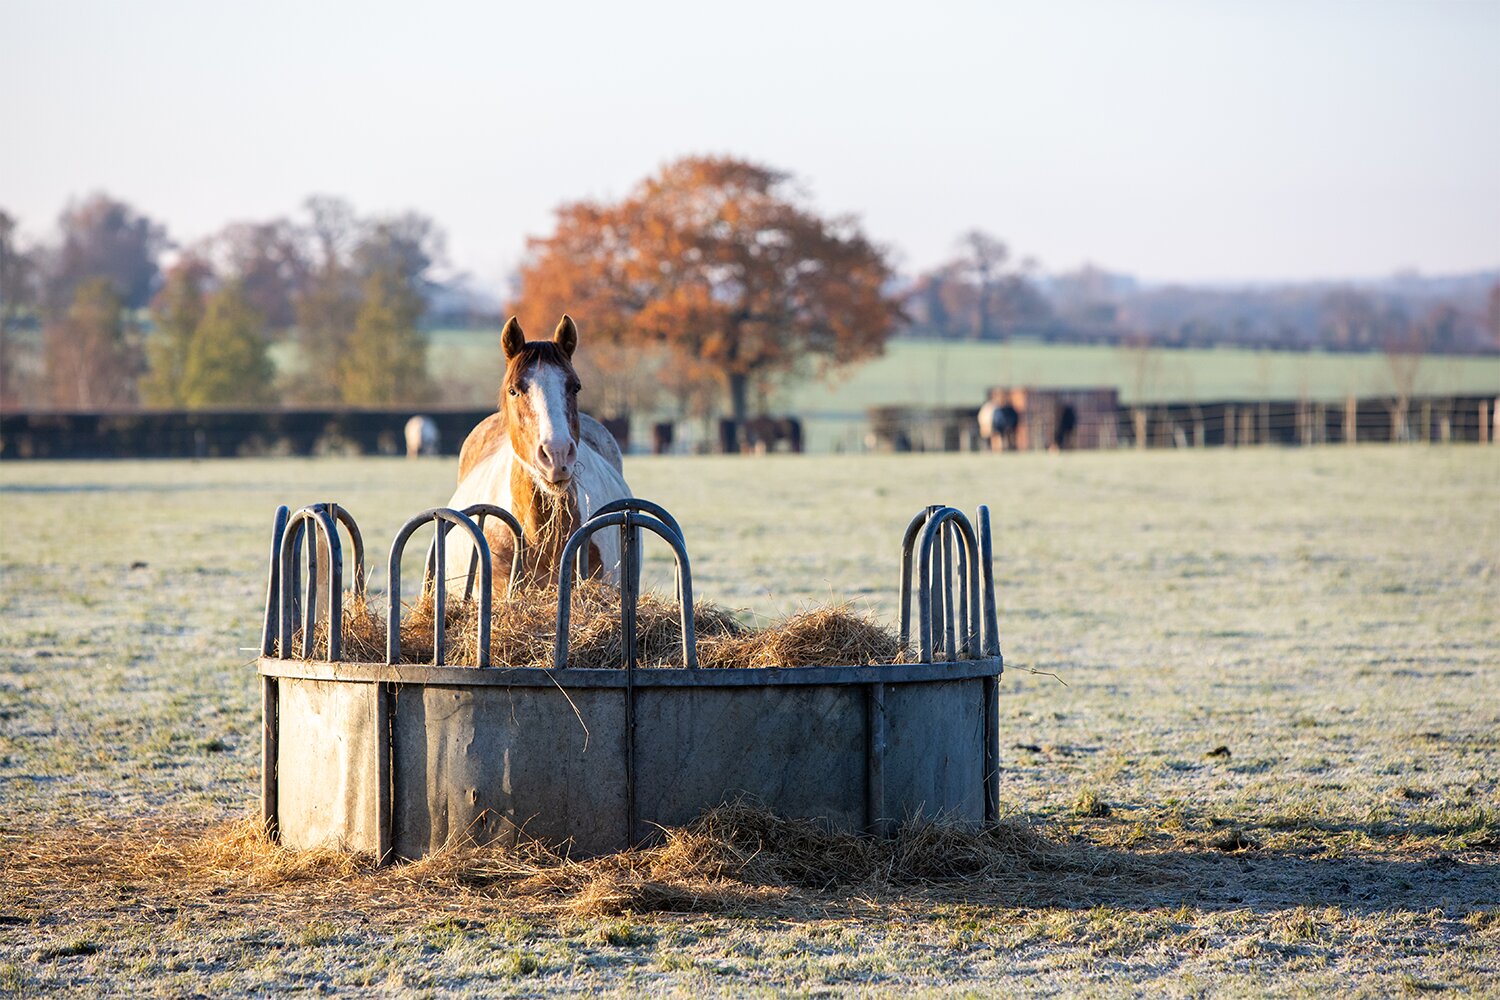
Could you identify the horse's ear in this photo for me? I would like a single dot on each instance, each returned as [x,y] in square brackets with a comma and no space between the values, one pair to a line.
[511,338]
[566,335]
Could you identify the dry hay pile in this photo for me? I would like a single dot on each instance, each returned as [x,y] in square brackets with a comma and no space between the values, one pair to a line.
[746,843]
[523,632]
[738,856]
[734,858]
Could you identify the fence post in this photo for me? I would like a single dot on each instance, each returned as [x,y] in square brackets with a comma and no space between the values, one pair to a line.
[1351,420]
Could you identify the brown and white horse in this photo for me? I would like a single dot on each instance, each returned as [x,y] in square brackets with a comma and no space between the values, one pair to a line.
[540,459]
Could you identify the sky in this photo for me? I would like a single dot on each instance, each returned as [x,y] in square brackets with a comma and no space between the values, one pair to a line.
[1178,141]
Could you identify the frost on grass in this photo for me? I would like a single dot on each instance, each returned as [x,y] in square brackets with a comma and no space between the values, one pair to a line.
[1327,617]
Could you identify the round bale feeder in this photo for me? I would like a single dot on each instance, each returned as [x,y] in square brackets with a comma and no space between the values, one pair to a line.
[400,759]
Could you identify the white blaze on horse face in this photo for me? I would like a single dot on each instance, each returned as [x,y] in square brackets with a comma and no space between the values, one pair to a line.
[556,451]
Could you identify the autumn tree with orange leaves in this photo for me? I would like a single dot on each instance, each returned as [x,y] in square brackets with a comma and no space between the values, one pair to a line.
[720,261]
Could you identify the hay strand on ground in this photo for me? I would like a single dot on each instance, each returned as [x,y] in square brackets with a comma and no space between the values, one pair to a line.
[733,858]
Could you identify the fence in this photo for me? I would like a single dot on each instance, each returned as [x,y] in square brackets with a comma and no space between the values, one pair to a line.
[1302,422]
[1228,423]
[221,433]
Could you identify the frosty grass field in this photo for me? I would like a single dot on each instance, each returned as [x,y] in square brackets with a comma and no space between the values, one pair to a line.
[1273,736]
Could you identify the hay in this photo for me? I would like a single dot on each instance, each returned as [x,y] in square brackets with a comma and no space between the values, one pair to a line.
[833,636]
[735,858]
[523,632]
[744,842]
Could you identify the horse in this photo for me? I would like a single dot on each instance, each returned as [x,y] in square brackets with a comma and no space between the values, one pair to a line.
[540,459]
[421,436]
[763,433]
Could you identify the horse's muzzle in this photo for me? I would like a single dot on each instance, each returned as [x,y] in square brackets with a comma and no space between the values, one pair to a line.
[555,460]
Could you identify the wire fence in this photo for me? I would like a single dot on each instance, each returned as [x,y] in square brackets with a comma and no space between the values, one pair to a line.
[1237,423]
[1096,422]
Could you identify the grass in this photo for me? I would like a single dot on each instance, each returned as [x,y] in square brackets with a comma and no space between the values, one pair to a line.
[1276,738]
[935,373]
[954,374]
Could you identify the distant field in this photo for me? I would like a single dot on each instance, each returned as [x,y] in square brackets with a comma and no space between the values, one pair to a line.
[928,373]
[953,374]
[932,373]
[1277,740]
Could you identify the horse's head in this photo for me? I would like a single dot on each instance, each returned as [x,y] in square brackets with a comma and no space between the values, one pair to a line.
[539,397]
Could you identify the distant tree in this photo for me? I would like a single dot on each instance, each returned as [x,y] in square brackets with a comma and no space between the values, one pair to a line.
[326,313]
[718,260]
[408,245]
[1087,297]
[89,360]
[227,363]
[981,260]
[976,294]
[176,312]
[926,308]
[1403,357]
[619,378]
[1405,349]
[1349,320]
[17,272]
[17,303]
[1359,321]
[271,262]
[349,257]
[1017,300]
[1492,315]
[385,362]
[693,388]
[1441,329]
[328,303]
[333,227]
[1142,364]
[104,238]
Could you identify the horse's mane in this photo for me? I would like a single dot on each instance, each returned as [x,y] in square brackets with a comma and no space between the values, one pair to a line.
[482,442]
[534,352]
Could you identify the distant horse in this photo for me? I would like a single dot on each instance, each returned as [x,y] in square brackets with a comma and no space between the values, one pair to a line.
[998,421]
[763,433]
[542,460]
[421,437]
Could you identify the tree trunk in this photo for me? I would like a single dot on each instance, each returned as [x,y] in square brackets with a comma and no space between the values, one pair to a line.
[739,396]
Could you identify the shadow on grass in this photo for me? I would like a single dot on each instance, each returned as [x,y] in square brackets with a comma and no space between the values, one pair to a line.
[1211,879]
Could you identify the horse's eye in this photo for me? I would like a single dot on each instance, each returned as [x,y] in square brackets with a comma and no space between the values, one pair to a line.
[575,387]
[514,391]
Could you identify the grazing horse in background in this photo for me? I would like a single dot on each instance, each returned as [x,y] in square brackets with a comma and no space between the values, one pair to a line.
[540,459]
[421,436]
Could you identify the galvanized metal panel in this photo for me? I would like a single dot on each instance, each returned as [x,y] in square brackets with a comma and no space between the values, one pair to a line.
[800,750]
[326,764]
[935,760]
[483,764]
